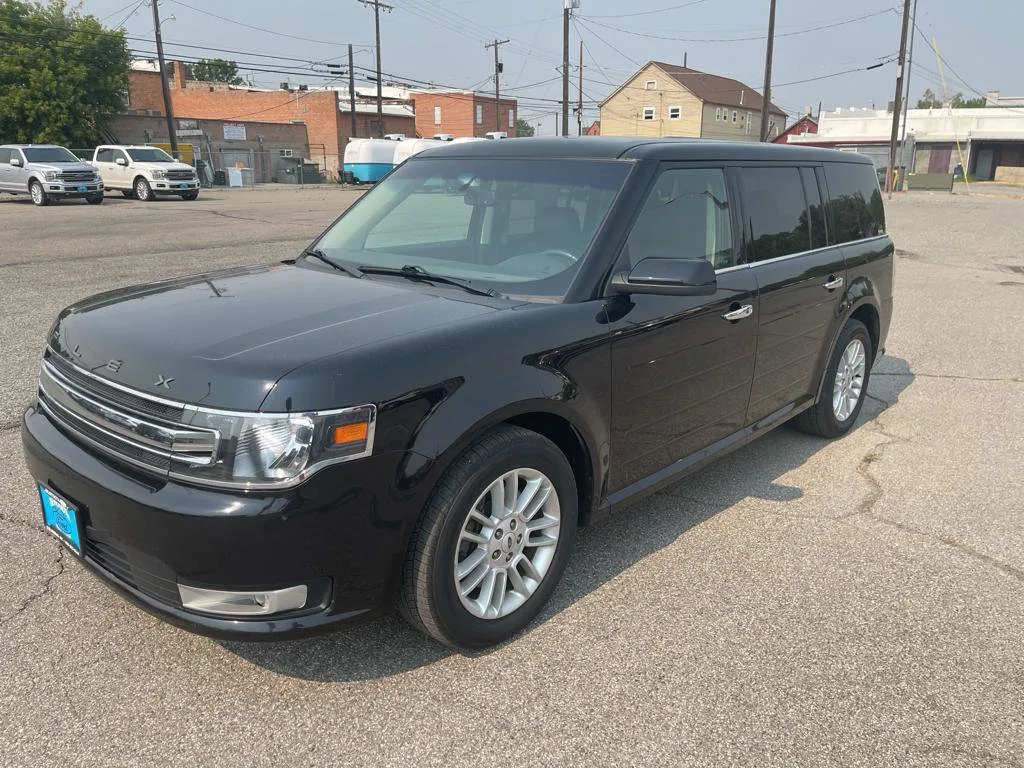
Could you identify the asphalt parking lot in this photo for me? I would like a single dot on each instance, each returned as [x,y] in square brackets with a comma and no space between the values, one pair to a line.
[801,602]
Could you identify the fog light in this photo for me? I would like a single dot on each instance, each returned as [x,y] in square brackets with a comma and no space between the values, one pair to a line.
[256,603]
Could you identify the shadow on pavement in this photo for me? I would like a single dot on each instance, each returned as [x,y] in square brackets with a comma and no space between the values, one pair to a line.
[389,646]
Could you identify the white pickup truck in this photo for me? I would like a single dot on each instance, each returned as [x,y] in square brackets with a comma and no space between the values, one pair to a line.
[144,172]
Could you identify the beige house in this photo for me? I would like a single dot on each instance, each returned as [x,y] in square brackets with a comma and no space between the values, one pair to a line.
[668,100]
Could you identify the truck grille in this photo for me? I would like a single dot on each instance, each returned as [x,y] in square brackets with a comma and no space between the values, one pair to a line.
[77,176]
[180,175]
[131,426]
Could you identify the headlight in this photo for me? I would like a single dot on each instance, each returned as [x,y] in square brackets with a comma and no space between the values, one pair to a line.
[51,175]
[277,450]
[159,174]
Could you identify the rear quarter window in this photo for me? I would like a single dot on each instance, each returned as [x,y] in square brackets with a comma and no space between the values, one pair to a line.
[856,201]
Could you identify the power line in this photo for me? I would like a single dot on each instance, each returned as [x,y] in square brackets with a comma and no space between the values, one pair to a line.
[648,13]
[332,43]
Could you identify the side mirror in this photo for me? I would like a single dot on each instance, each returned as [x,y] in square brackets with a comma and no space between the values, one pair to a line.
[121,161]
[668,277]
[16,161]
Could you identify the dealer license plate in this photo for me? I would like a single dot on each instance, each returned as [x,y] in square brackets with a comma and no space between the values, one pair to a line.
[82,188]
[183,186]
[61,519]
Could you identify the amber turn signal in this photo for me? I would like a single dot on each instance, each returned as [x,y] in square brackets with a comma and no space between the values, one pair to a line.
[350,433]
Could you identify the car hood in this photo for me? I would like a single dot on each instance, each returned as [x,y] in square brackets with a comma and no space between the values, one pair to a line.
[79,166]
[224,339]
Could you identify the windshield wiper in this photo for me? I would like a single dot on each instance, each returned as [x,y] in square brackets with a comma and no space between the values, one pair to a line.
[316,253]
[415,272]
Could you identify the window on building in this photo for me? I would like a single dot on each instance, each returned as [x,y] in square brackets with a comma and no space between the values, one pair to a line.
[674,113]
[511,118]
[649,113]
[735,117]
[685,217]
[718,114]
[651,85]
[856,201]
[479,114]
[773,201]
[750,122]
[437,114]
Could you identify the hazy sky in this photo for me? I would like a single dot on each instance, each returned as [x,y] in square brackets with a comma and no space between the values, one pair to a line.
[442,41]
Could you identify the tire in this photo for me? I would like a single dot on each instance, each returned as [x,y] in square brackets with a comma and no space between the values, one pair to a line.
[94,199]
[189,195]
[129,193]
[430,599]
[38,195]
[142,190]
[831,416]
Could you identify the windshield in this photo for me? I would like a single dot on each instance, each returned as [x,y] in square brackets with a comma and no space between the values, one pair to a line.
[49,155]
[516,226]
[150,155]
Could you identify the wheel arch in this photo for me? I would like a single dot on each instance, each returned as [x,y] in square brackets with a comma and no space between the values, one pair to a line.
[864,309]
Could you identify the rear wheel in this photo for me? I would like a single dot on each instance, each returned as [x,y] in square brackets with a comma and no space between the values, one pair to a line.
[94,199]
[845,385]
[35,189]
[142,189]
[493,540]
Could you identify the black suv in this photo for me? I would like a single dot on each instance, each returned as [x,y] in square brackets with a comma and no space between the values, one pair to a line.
[500,342]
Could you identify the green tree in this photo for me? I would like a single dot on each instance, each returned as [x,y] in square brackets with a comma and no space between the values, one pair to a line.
[959,102]
[63,77]
[523,128]
[216,71]
[929,100]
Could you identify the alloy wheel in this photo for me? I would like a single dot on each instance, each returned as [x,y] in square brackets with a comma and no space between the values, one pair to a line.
[507,543]
[37,194]
[849,383]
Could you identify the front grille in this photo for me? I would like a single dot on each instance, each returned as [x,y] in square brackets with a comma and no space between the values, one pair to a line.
[130,426]
[180,175]
[150,578]
[77,176]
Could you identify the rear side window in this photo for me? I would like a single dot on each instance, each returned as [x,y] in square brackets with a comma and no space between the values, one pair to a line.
[857,210]
[5,156]
[814,207]
[105,155]
[776,212]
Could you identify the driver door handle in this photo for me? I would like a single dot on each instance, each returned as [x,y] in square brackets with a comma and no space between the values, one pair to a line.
[832,283]
[739,313]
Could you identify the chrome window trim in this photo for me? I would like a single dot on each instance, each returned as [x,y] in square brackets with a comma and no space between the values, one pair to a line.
[751,264]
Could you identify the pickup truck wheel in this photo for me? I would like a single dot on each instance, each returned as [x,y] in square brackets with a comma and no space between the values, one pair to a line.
[845,385]
[35,189]
[493,540]
[142,190]
[94,199]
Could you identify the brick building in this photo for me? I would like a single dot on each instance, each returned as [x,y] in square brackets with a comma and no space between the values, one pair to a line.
[462,113]
[805,126]
[327,126]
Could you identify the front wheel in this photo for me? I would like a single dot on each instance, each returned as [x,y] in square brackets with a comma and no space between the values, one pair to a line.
[492,542]
[845,385]
[142,189]
[35,189]
[94,199]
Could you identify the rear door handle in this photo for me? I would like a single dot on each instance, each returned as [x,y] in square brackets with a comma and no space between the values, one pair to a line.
[738,314]
[832,283]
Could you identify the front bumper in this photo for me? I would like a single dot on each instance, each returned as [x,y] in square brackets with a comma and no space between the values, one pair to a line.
[171,187]
[72,188]
[339,533]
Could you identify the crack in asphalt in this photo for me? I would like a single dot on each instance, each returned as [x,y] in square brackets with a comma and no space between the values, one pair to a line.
[950,376]
[20,523]
[42,592]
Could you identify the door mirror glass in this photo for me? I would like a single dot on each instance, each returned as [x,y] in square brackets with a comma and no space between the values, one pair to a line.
[121,161]
[668,277]
[16,161]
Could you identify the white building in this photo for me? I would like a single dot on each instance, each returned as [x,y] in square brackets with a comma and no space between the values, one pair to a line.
[989,138]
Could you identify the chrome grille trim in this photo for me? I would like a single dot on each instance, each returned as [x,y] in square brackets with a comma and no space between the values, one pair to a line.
[77,176]
[119,432]
[180,175]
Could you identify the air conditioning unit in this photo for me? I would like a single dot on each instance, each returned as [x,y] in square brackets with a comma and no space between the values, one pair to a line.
[285,153]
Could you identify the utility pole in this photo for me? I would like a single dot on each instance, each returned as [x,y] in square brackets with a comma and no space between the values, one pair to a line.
[767,94]
[906,92]
[377,5]
[897,99]
[568,5]
[352,90]
[497,82]
[168,107]
[579,107]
